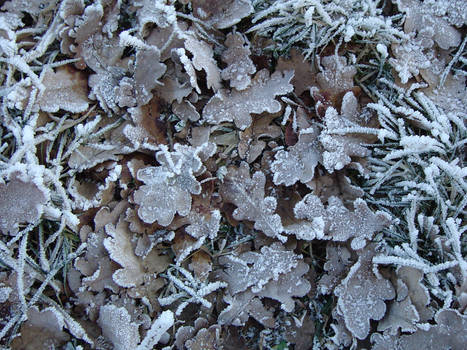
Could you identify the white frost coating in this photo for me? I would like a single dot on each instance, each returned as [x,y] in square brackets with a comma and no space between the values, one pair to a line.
[259,97]
[117,327]
[157,330]
[382,49]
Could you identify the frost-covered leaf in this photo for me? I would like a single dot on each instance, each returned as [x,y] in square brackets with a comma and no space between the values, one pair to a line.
[239,65]
[361,296]
[305,75]
[298,163]
[168,187]
[221,14]
[147,70]
[238,106]
[43,330]
[452,96]
[65,89]
[252,276]
[21,201]
[401,314]
[339,223]
[336,184]
[336,75]
[203,60]
[117,327]
[448,333]
[288,285]
[185,333]
[336,265]
[154,12]
[247,193]
[96,265]
[172,89]
[422,18]
[148,129]
[241,307]
[94,193]
[104,87]
[255,270]
[338,143]
[409,58]
[185,111]
[418,293]
[121,251]
[205,339]
[161,325]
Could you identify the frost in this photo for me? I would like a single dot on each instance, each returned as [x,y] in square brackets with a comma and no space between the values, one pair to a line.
[203,60]
[447,333]
[189,289]
[409,59]
[422,18]
[239,65]
[298,163]
[337,262]
[339,139]
[255,270]
[336,76]
[222,14]
[361,297]
[21,201]
[314,24]
[121,251]
[340,223]
[117,327]
[43,329]
[168,187]
[275,273]
[237,106]
[247,193]
[145,225]
[64,89]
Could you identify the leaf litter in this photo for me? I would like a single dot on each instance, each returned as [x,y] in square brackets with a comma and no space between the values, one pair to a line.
[239,174]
